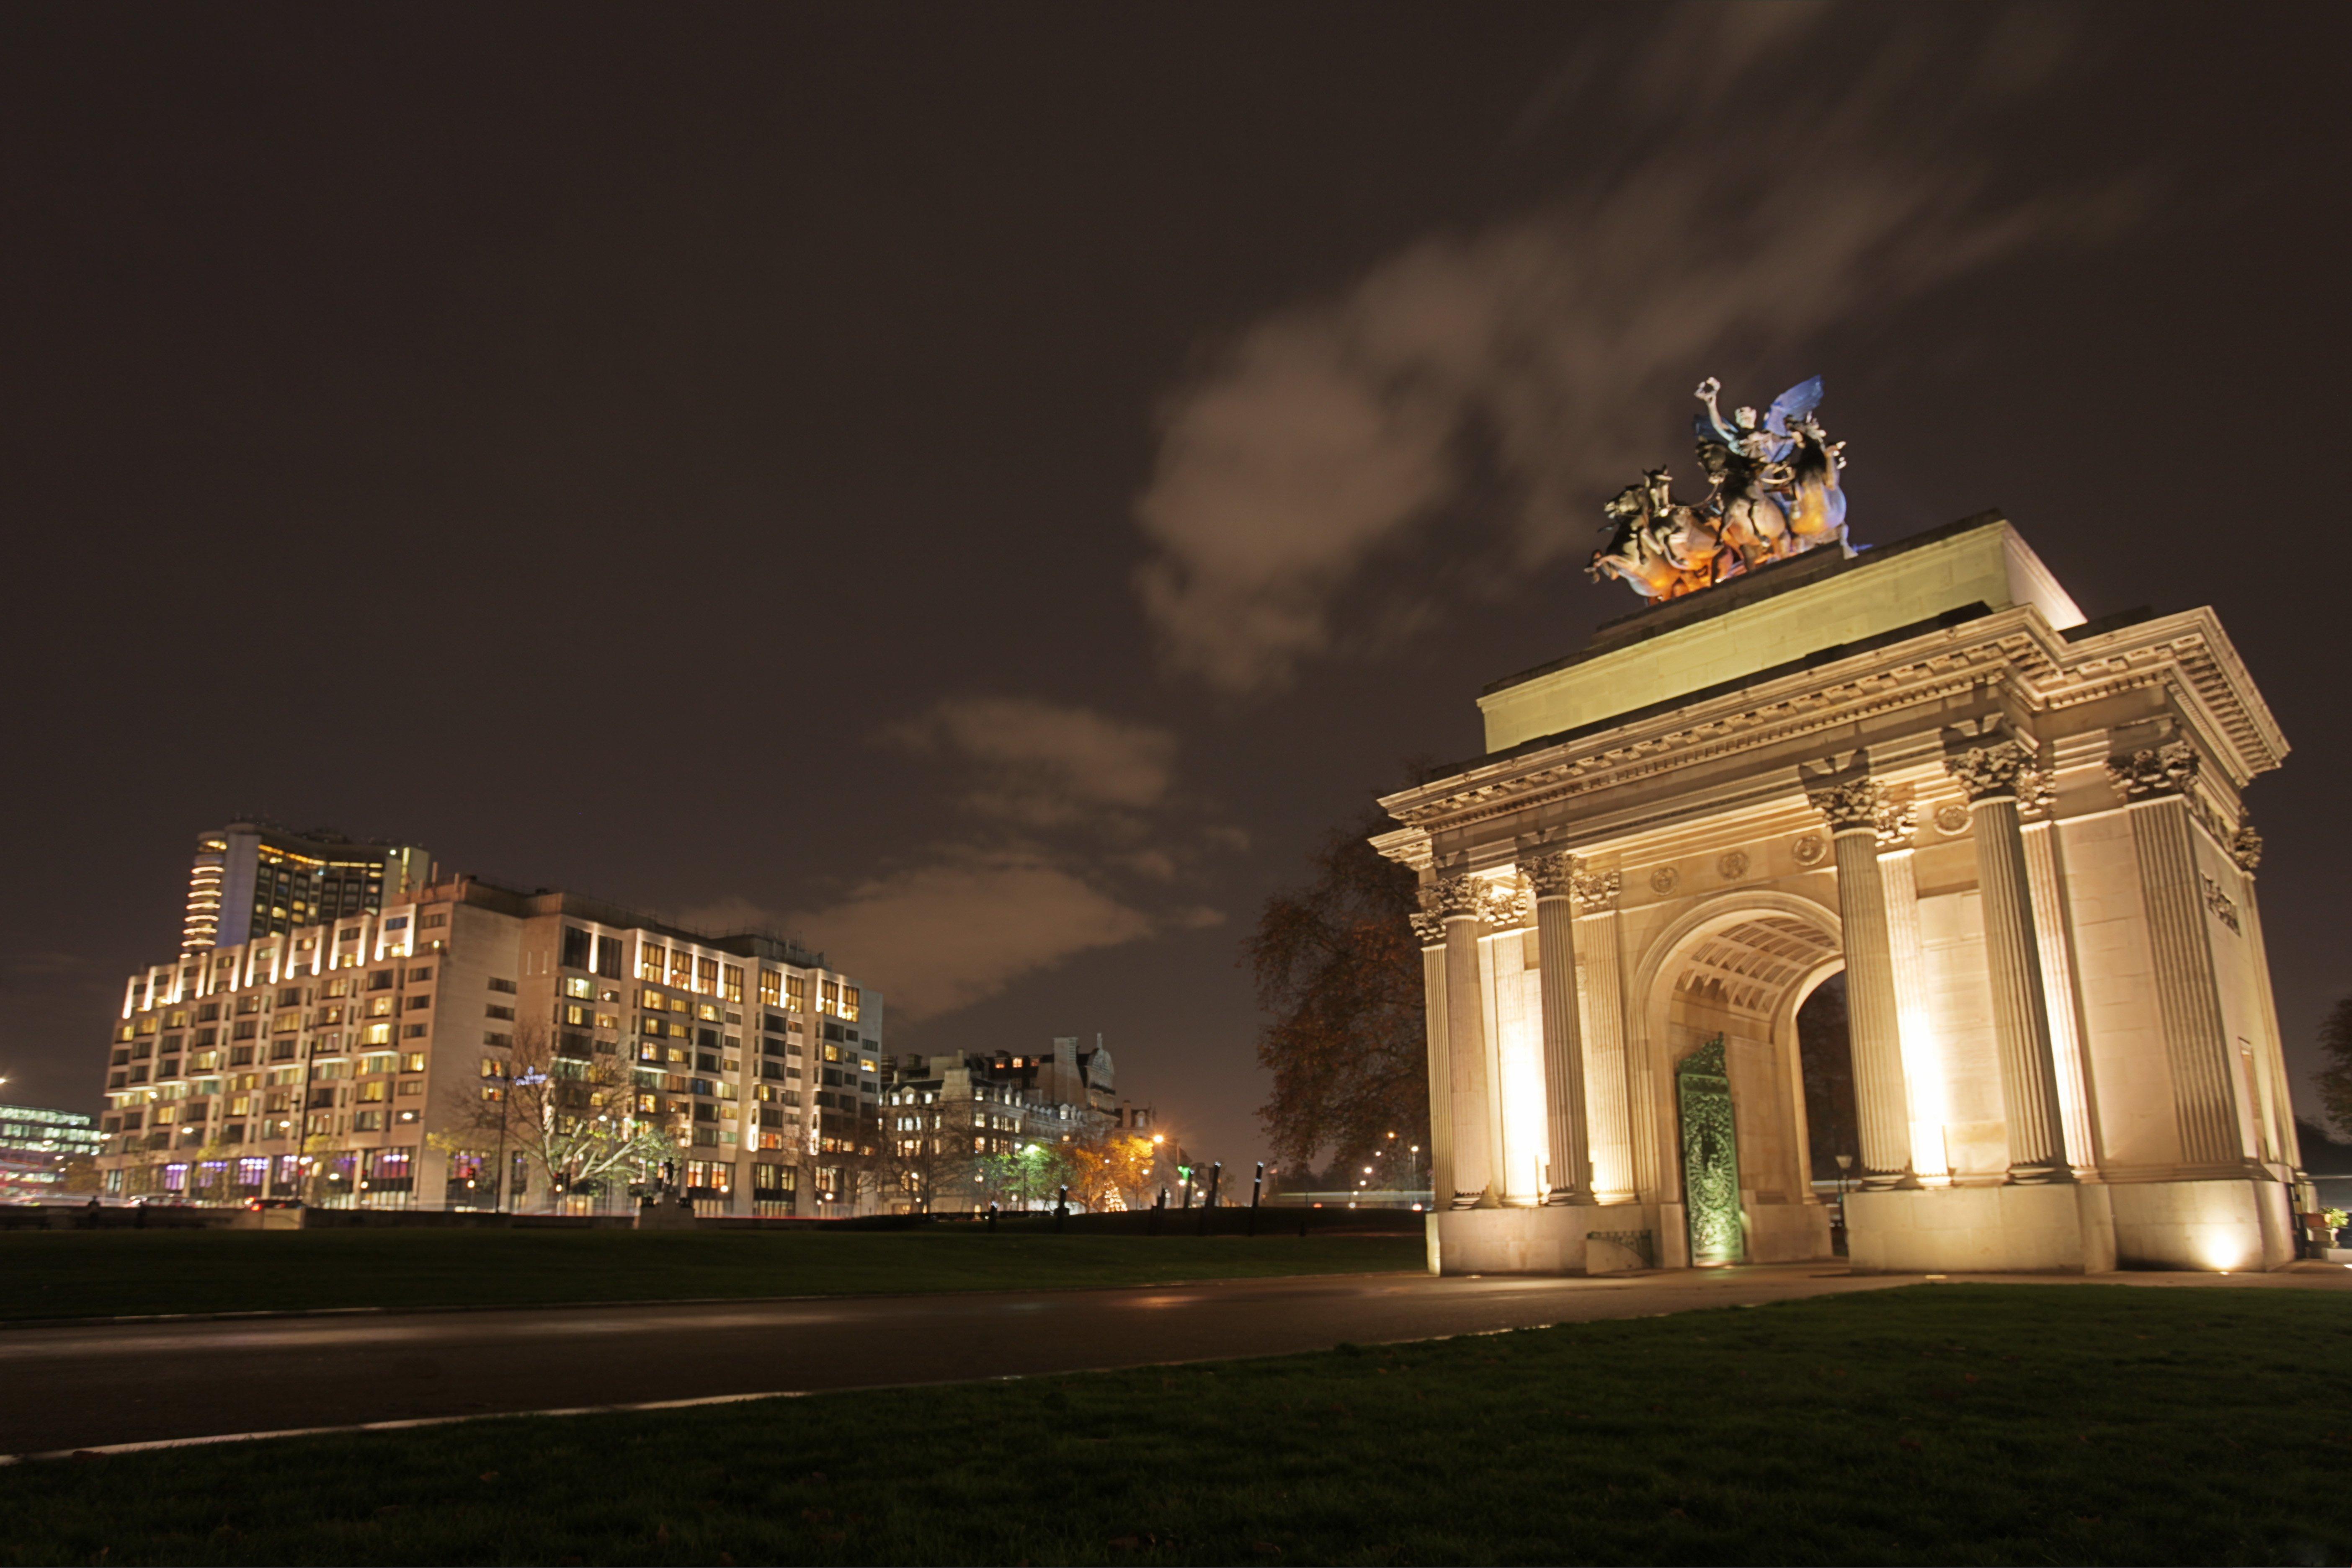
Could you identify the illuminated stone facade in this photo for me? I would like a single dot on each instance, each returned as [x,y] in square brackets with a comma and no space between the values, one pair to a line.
[321,1062]
[2019,835]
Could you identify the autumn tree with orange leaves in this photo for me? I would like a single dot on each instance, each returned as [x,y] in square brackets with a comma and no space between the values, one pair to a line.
[1338,973]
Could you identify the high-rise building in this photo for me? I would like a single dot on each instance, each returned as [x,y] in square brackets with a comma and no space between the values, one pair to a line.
[253,880]
[348,1060]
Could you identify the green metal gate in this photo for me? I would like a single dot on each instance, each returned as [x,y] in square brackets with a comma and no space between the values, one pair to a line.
[1710,1157]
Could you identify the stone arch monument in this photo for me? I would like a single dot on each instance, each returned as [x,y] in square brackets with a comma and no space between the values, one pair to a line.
[2018,833]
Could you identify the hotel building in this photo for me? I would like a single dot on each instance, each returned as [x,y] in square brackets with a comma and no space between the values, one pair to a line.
[346,1060]
[254,880]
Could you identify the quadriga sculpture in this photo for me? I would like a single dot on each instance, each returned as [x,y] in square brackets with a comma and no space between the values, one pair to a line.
[1773,492]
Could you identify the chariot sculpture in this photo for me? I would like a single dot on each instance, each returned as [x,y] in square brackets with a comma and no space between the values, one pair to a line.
[1773,493]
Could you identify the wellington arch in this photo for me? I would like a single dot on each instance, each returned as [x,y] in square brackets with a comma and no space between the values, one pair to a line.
[2019,835]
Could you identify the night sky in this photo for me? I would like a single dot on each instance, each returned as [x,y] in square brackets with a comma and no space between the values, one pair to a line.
[986,487]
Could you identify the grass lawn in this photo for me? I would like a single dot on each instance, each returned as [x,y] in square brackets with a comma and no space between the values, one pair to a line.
[63,1274]
[1934,1424]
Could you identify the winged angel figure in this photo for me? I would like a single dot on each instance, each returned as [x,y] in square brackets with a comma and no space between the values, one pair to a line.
[1773,492]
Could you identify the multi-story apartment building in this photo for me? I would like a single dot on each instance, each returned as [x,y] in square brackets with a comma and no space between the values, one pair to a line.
[347,1061]
[254,880]
[948,1112]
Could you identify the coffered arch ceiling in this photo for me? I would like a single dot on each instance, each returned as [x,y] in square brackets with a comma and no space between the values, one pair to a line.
[1750,963]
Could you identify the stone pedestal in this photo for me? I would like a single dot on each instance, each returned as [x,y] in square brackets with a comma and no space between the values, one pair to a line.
[1551,1239]
[2055,1229]
[2234,1225]
[1787,1233]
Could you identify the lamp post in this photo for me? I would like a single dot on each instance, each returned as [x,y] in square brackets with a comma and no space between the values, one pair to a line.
[1845,1163]
[1257,1185]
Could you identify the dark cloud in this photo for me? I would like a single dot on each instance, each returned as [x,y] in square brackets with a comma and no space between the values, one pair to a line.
[1504,378]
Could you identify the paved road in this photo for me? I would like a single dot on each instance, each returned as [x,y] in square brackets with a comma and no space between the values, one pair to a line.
[72,1387]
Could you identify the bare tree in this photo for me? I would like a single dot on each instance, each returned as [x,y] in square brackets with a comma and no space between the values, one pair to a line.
[2334,1079]
[573,1117]
[926,1154]
[1338,974]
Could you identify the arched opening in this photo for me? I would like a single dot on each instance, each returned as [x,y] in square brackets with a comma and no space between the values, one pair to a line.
[1826,1049]
[1832,1130]
[1727,988]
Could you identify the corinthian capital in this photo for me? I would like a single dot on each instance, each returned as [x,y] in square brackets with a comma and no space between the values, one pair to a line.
[1455,898]
[1849,804]
[1429,931]
[1509,907]
[1896,819]
[1552,874]
[2168,769]
[1596,890]
[2246,848]
[1988,772]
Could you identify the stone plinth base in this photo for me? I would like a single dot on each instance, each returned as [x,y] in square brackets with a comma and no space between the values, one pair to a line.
[1566,1239]
[2210,1225]
[1787,1233]
[2063,1228]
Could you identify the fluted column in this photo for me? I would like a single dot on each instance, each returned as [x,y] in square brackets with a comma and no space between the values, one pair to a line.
[1431,932]
[1608,1053]
[1552,878]
[1922,1066]
[2246,849]
[1461,902]
[2078,1100]
[1880,1104]
[2188,997]
[1988,775]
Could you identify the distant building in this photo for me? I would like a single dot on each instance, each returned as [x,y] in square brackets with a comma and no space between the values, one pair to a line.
[945,1113]
[35,1145]
[254,880]
[324,1058]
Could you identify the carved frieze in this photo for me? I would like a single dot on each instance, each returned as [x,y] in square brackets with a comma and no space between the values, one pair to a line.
[2224,907]
[2149,771]
[1986,773]
[1596,890]
[1849,804]
[1552,876]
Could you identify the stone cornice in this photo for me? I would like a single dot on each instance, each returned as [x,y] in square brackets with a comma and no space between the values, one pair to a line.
[2191,652]
[2009,648]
